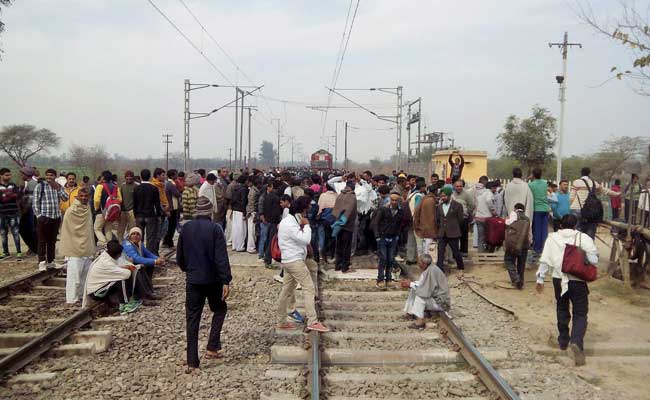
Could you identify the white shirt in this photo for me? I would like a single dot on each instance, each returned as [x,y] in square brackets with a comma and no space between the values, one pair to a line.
[485,204]
[644,201]
[553,254]
[293,240]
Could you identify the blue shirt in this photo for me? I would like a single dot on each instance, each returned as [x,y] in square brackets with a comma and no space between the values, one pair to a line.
[147,258]
[560,205]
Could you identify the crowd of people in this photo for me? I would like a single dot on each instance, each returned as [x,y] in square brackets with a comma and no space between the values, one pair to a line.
[110,232]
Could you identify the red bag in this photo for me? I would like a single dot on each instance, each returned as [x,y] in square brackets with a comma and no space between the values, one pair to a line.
[575,263]
[113,208]
[276,254]
[495,234]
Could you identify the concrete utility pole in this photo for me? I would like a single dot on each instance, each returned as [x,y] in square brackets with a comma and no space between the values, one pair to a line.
[398,120]
[167,141]
[186,128]
[249,136]
[278,149]
[346,146]
[561,80]
[230,158]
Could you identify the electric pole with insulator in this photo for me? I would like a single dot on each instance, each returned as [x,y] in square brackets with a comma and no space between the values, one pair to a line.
[167,141]
[561,80]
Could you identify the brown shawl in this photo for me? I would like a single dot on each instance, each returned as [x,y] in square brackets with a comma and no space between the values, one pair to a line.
[346,203]
[77,238]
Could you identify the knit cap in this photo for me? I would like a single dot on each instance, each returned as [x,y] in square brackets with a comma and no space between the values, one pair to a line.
[192,179]
[203,207]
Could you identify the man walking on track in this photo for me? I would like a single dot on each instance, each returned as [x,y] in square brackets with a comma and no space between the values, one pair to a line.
[207,276]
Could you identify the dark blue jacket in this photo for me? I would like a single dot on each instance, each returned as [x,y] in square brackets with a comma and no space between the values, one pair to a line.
[201,253]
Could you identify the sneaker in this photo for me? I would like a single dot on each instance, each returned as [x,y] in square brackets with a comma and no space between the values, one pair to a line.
[131,306]
[42,266]
[278,278]
[578,355]
[287,326]
[296,317]
[19,256]
[261,261]
[318,327]
[416,326]
[380,285]
[399,258]
[3,256]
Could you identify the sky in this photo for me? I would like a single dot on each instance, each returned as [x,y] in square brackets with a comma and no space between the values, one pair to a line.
[112,72]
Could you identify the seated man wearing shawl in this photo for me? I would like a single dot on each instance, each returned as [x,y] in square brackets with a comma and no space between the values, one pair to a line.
[137,254]
[110,280]
[430,292]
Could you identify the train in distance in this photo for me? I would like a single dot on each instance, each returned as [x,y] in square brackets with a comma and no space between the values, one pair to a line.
[321,160]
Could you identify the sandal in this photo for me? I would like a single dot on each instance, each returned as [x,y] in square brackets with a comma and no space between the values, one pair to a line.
[213,355]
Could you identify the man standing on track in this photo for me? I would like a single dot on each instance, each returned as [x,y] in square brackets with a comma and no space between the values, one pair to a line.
[207,276]
[47,210]
[449,218]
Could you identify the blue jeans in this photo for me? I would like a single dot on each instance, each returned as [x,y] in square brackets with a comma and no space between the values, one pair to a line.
[9,222]
[540,230]
[386,250]
[264,231]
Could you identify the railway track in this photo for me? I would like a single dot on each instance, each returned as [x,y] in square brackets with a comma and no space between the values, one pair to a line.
[36,320]
[372,354]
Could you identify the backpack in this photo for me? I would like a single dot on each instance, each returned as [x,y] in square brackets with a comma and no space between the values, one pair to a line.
[516,235]
[592,210]
[113,207]
[276,254]
[495,231]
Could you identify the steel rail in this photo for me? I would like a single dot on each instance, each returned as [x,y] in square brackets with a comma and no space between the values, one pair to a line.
[480,366]
[314,364]
[39,345]
[36,277]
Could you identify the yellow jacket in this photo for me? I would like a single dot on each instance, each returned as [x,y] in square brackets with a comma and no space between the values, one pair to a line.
[72,194]
[161,192]
[97,199]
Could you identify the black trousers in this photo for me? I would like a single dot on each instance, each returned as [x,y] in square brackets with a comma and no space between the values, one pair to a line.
[27,229]
[171,228]
[363,234]
[578,296]
[47,230]
[273,230]
[464,236]
[195,296]
[343,250]
[453,243]
[150,229]
[516,265]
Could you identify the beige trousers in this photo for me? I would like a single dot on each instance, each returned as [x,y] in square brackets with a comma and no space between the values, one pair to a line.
[127,221]
[103,229]
[296,273]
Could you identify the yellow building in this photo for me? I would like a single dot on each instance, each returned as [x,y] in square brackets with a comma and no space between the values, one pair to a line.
[475,164]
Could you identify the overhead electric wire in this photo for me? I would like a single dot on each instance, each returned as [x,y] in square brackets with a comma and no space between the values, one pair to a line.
[190,41]
[339,63]
[225,53]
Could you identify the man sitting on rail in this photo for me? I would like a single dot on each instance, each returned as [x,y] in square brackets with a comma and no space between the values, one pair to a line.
[107,280]
[430,292]
[138,254]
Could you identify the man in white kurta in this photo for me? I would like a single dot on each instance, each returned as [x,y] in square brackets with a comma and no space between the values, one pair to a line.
[430,292]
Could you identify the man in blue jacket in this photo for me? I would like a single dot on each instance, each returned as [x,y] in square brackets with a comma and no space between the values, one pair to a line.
[207,276]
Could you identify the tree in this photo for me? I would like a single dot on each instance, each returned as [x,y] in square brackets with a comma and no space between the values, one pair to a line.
[631,29]
[267,153]
[531,140]
[616,153]
[92,160]
[21,142]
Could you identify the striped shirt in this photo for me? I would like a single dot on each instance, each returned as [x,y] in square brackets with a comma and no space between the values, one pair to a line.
[47,200]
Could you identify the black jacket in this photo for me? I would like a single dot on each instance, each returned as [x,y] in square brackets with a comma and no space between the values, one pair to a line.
[146,201]
[201,253]
[449,225]
[272,209]
[239,198]
[388,225]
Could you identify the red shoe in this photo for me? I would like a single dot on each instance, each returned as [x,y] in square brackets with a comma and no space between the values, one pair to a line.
[318,327]
[287,326]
